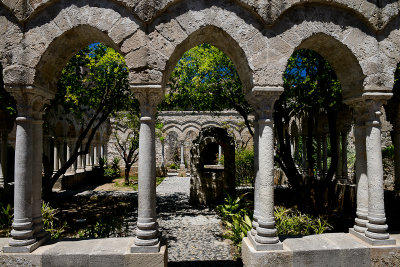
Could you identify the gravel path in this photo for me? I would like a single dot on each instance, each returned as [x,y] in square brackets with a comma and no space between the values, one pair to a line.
[194,235]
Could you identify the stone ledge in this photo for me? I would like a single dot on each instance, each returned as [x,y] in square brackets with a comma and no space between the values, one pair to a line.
[373,242]
[334,249]
[85,252]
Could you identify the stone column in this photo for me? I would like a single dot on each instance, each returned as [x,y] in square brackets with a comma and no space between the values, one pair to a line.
[37,218]
[70,150]
[162,154]
[27,226]
[376,226]
[219,154]
[361,170]
[304,154]
[147,236]
[79,164]
[263,99]
[95,158]
[253,231]
[182,166]
[87,160]
[56,160]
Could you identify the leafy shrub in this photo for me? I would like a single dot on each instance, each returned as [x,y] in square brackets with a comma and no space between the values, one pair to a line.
[237,218]
[388,152]
[52,224]
[293,222]
[105,226]
[6,215]
[113,171]
[244,160]
[174,166]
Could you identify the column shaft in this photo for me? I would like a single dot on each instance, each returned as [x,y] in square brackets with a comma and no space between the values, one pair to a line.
[376,226]
[266,232]
[344,155]
[22,233]
[256,178]
[37,130]
[147,234]
[361,179]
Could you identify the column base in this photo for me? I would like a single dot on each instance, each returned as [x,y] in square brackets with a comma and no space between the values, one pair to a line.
[26,249]
[263,247]
[370,241]
[146,249]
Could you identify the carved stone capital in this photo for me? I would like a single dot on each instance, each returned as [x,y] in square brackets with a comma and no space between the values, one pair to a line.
[149,97]
[30,100]
[263,100]
[374,100]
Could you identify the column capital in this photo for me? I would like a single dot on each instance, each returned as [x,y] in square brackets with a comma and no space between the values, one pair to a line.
[149,97]
[30,100]
[263,100]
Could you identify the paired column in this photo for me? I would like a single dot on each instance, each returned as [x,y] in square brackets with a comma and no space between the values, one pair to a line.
[147,236]
[265,238]
[27,233]
[376,225]
[370,224]
[253,231]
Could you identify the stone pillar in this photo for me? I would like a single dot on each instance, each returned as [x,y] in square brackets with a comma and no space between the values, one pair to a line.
[361,170]
[256,178]
[376,226]
[70,150]
[263,99]
[182,166]
[3,159]
[147,236]
[87,160]
[37,151]
[304,154]
[27,233]
[219,154]
[95,158]
[56,160]
[79,164]
[162,154]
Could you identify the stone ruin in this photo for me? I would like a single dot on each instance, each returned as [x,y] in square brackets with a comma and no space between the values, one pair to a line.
[211,181]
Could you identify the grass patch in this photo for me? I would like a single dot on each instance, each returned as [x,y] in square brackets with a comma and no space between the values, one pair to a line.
[133,182]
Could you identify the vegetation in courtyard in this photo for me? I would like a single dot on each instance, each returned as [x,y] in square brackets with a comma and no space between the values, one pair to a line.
[205,79]
[52,224]
[311,90]
[236,213]
[244,163]
[6,216]
[92,87]
[127,124]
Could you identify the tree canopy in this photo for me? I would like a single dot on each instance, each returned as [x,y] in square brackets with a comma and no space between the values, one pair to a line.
[205,79]
[93,86]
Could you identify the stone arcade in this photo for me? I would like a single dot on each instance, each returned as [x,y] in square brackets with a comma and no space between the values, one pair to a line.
[361,40]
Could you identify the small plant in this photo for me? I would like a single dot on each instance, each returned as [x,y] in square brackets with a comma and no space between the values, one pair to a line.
[173,166]
[388,152]
[293,222]
[113,171]
[244,161]
[105,226]
[6,216]
[51,223]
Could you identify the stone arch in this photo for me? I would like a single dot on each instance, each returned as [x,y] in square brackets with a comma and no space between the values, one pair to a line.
[348,44]
[220,39]
[60,30]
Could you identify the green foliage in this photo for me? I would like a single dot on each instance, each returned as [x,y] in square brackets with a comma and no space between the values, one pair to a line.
[293,222]
[105,226]
[6,216]
[205,79]
[52,224]
[388,152]
[113,171]
[174,166]
[236,216]
[244,160]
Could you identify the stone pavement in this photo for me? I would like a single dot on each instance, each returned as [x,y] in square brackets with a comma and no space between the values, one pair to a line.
[194,235]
